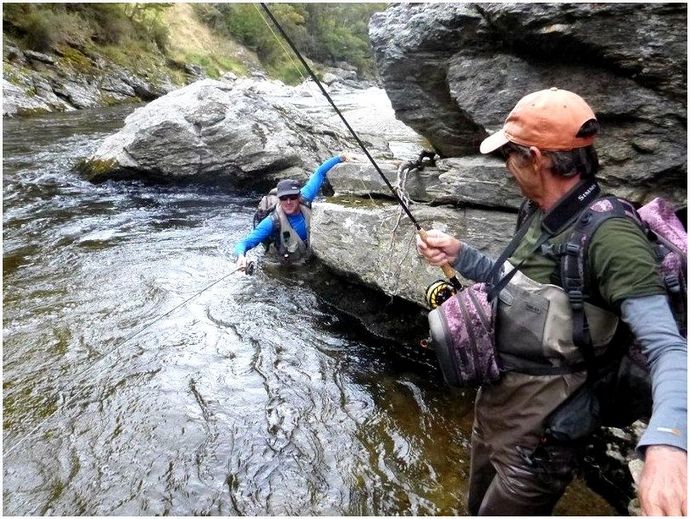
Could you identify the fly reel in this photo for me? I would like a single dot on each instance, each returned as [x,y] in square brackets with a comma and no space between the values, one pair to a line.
[438,293]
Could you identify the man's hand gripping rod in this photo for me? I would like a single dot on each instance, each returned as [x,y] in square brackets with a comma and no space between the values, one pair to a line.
[448,271]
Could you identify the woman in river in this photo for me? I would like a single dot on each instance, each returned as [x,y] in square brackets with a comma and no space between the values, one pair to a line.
[286,228]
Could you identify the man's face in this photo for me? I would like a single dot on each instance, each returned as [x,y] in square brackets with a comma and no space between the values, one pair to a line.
[289,203]
[523,170]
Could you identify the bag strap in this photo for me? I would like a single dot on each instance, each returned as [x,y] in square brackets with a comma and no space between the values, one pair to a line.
[557,219]
[574,255]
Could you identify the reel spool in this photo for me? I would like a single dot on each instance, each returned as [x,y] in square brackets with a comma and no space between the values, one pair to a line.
[438,293]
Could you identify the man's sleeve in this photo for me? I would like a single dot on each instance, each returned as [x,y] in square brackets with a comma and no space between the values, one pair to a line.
[260,233]
[313,185]
[472,264]
[652,323]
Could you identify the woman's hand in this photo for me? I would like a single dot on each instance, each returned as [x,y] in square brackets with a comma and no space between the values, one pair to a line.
[438,248]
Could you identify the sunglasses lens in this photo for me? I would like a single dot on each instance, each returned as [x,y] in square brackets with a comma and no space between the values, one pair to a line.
[288,197]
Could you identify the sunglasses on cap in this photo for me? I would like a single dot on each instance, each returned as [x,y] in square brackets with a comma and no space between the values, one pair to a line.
[288,197]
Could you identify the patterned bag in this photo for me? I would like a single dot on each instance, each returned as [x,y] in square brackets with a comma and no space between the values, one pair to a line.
[462,335]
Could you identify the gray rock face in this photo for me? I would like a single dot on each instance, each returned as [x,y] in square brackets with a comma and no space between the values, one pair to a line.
[15,100]
[372,242]
[45,82]
[454,71]
[231,131]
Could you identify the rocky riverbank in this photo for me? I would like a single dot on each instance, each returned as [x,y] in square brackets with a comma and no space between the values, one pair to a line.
[452,72]
[72,78]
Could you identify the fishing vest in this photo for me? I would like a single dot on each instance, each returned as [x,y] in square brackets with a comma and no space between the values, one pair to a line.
[289,247]
[534,328]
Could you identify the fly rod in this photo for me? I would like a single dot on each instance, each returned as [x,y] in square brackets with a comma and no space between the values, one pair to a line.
[448,271]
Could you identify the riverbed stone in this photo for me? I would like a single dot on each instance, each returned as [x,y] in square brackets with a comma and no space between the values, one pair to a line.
[216,129]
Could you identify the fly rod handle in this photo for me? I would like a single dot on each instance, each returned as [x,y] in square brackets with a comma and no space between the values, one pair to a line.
[448,271]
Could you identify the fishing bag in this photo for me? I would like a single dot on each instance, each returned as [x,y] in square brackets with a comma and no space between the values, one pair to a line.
[618,389]
[463,335]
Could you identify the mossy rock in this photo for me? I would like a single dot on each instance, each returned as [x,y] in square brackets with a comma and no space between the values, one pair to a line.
[75,60]
[96,170]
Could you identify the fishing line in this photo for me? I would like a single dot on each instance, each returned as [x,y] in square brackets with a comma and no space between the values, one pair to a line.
[305,80]
[69,386]
[447,269]
[367,190]
[299,71]
[328,97]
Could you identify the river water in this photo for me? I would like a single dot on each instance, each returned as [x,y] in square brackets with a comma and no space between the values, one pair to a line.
[141,377]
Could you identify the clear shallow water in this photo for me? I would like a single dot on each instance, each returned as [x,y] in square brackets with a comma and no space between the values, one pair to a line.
[252,398]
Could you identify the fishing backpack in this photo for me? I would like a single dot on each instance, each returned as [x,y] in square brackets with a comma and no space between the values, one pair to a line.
[621,383]
[266,206]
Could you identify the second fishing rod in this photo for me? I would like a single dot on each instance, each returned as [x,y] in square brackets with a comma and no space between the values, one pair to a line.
[448,271]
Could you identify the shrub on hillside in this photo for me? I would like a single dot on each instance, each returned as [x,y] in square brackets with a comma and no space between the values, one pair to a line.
[42,26]
[327,33]
[40,34]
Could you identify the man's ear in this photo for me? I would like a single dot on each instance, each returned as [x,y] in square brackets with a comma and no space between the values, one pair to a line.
[537,158]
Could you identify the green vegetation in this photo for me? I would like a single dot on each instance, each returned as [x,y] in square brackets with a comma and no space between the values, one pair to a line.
[96,169]
[165,35]
[43,26]
[325,33]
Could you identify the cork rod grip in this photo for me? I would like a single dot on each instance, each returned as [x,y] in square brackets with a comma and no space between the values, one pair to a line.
[448,271]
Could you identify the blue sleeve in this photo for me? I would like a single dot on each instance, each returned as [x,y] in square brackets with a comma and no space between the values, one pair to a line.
[652,323]
[260,233]
[313,185]
[472,264]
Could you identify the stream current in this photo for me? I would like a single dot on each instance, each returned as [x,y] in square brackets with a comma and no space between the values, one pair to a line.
[131,388]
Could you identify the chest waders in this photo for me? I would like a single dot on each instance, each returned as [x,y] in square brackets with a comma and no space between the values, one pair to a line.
[542,367]
[534,326]
[289,247]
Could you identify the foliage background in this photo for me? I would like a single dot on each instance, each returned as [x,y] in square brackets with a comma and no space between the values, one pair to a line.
[136,33]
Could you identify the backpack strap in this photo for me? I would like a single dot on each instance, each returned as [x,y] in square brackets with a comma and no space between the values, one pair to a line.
[554,222]
[527,209]
[574,257]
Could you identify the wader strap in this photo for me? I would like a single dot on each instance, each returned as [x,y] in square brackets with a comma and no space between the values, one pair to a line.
[501,283]
[519,235]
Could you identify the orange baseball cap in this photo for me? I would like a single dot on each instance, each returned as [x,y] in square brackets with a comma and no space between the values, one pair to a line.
[548,119]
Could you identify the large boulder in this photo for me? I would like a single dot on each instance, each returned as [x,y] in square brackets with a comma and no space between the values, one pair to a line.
[454,71]
[373,242]
[241,132]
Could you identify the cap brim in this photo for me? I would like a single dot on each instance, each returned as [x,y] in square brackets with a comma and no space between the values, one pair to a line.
[493,142]
[288,192]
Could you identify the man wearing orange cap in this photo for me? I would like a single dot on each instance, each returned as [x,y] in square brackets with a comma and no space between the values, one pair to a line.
[519,466]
